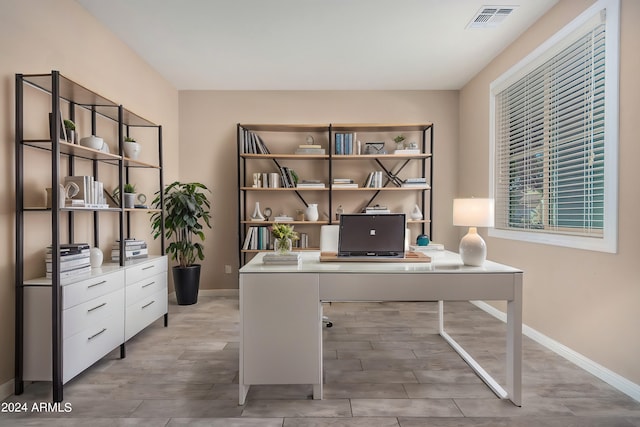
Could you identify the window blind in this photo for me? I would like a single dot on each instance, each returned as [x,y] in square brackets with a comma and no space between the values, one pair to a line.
[549,142]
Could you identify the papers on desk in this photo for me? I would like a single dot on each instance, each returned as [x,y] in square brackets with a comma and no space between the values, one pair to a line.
[430,247]
[278,259]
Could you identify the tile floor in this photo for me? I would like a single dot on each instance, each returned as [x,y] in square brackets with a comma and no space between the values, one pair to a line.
[384,365]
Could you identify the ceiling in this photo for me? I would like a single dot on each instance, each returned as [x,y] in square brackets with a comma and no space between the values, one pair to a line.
[313,44]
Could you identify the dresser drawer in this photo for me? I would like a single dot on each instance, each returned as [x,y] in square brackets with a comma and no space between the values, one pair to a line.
[140,314]
[93,287]
[145,288]
[91,344]
[85,315]
[140,271]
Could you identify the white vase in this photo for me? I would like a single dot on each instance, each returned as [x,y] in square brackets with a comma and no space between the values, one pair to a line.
[416,213]
[257,215]
[312,212]
[95,257]
[131,149]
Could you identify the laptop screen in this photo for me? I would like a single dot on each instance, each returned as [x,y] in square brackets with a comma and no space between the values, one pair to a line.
[372,235]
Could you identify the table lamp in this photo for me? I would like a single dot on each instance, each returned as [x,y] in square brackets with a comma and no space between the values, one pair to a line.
[473,213]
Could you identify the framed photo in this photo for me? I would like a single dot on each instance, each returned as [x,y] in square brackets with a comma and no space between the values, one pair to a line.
[374,148]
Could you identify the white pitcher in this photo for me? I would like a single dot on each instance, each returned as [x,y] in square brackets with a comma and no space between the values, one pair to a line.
[312,212]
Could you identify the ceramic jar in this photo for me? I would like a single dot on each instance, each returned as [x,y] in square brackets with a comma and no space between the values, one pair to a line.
[312,212]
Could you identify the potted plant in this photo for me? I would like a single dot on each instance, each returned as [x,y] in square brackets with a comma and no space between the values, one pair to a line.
[129,195]
[186,212]
[284,237]
[70,130]
[131,148]
[398,140]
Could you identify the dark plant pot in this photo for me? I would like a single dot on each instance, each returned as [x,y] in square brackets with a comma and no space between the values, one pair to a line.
[186,281]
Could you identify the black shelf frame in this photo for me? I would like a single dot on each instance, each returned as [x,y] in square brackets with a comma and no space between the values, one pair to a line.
[61,88]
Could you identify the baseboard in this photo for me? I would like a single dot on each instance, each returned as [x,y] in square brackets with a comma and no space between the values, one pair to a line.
[6,389]
[215,293]
[619,382]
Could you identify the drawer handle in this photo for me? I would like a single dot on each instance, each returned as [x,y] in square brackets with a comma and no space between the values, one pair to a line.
[148,284]
[96,307]
[96,284]
[147,305]
[95,335]
[146,268]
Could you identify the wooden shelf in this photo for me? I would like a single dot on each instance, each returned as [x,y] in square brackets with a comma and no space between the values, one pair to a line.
[379,156]
[258,223]
[282,189]
[286,156]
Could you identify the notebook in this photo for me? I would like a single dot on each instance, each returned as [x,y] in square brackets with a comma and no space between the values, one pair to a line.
[372,235]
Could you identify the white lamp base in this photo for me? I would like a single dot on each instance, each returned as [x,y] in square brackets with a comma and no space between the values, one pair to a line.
[473,249]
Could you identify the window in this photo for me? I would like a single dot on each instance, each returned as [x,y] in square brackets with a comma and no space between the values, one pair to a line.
[554,136]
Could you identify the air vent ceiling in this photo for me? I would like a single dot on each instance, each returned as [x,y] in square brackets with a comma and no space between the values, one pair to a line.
[490,16]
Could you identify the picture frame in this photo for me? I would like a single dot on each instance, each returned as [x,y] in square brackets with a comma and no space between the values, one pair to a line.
[374,148]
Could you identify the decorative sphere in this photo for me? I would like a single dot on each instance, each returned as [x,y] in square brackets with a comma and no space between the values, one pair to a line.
[422,240]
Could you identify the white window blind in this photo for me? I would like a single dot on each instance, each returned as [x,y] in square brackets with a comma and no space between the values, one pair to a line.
[550,141]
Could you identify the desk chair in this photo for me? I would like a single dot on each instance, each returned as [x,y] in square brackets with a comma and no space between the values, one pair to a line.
[328,243]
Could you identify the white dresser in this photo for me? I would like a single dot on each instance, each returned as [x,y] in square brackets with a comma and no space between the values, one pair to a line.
[99,313]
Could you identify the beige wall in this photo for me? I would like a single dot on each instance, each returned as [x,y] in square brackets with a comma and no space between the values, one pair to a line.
[37,36]
[588,301]
[208,148]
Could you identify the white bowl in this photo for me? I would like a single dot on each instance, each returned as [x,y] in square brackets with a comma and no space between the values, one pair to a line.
[92,141]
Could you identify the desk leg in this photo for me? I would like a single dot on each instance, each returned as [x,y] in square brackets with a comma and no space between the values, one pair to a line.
[484,375]
[243,390]
[514,343]
[317,391]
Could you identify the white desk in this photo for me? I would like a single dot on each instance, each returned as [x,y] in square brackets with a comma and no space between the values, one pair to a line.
[281,311]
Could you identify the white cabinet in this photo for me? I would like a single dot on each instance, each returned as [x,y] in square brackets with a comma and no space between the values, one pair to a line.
[281,312]
[99,313]
[92,318]
[145,294]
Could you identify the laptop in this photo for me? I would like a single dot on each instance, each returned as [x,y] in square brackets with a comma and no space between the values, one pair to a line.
[372,235]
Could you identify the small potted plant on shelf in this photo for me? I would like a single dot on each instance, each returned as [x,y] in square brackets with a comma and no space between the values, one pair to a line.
[131,148]
[398,140]
[284,236]
[70,130]
[186,212]
[129,191]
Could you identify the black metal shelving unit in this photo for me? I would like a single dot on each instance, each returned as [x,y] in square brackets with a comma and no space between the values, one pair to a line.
[391,164]
[60,88]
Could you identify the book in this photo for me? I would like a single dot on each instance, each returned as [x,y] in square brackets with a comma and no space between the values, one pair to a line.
[281,259]
[69,256]
[68,264]
[344,185]
[407,151]
[310,151]
[72,273]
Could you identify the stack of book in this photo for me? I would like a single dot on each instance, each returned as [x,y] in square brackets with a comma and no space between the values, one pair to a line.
[91,193]
[310,149]
[253,144]
[134,249]
[374,180]
[343,183]
[345,143]
[74,260]
[310,183]
[377,209]
[415,182]
[279,259]
[289,177]
[257,238]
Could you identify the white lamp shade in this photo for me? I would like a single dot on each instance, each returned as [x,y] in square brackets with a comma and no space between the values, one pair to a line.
[473,212]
